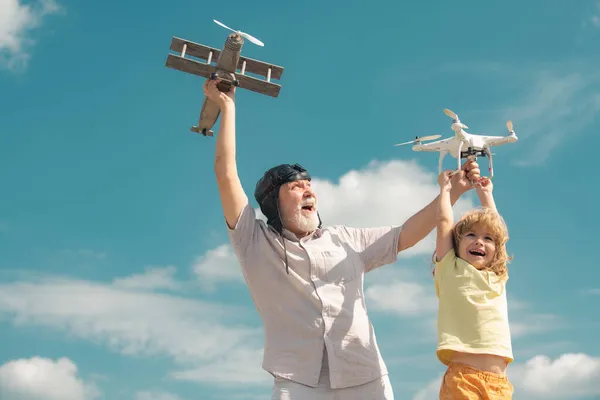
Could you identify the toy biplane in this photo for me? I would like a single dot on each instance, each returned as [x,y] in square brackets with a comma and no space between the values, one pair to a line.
[227,63]
[463,144]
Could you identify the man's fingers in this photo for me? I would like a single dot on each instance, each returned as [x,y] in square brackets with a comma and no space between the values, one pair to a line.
[469,164]
[474,172]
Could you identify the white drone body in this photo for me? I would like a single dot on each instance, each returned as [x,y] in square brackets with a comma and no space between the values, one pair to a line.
[463,144]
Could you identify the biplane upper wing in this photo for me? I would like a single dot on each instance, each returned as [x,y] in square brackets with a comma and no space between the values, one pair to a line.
[245,65]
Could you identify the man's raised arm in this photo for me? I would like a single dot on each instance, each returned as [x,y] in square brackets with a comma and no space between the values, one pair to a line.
[233,198]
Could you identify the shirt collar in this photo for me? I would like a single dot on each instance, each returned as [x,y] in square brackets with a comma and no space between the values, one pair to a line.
[292,237]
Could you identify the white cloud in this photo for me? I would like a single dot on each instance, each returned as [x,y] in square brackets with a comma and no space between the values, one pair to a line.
[153,278]
[17,19]
[156,395]
[402,298]
[238,368]
[595,17]
[591,292]
[557,107]
[570,376]
[191,332]
[218,265]
[44,379]
[523,324]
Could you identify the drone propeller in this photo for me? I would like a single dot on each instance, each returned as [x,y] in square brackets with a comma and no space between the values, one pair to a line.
[453,115]
[509,125]
[243,34]
[450,113]
[418,139]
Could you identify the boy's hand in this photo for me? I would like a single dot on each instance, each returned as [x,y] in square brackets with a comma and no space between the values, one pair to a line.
[484,185]
[213,93]
[445,179]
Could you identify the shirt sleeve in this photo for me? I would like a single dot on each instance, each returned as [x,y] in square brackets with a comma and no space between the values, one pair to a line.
[377,246]
[245,230]
[440,266]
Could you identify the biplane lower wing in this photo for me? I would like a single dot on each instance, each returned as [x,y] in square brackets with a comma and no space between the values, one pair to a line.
[190,66]
[258,85]
[205,70]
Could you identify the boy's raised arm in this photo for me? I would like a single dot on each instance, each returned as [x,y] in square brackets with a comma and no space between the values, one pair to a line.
[484,192]
[233,198]
[445,217]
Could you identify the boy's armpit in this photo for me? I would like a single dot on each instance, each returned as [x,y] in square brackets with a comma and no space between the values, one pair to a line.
[448,259]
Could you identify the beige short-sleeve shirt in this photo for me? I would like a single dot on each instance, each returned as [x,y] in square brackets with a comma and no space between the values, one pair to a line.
[320,303]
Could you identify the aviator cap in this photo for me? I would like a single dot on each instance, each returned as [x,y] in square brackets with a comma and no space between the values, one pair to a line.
[267,189]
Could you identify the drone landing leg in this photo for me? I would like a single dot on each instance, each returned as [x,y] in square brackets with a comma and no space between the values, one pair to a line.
[458,156]
[491,167]
[442,155]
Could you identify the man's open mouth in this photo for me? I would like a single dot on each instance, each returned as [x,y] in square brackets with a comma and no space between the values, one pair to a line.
[308,208]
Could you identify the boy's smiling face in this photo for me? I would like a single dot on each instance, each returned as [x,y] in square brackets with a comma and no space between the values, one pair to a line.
[477,247]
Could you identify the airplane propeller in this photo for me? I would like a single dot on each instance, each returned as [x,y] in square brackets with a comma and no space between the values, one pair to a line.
[242,34]
[418,139]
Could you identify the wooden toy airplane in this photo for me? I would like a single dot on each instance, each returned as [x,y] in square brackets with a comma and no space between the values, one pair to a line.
[463,144]
[227,63]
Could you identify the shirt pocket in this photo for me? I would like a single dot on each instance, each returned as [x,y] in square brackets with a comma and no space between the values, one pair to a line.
[341,266]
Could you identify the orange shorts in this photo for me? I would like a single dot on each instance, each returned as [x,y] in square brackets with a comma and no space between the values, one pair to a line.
[462,382]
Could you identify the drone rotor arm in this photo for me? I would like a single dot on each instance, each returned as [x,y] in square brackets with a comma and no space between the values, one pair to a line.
[418,140]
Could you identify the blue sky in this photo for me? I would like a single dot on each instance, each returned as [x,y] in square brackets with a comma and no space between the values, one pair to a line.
[116,279]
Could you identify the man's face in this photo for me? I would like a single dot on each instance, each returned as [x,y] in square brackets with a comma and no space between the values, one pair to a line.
[298,207]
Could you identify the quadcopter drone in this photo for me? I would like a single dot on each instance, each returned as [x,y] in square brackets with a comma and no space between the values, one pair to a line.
[463,144]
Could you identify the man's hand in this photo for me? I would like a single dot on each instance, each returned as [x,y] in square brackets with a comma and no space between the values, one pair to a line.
[461,181]
[213,93]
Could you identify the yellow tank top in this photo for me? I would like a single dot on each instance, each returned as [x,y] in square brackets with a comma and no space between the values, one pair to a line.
[473,312]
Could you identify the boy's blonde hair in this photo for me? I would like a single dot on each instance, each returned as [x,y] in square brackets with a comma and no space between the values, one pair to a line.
[491,220]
